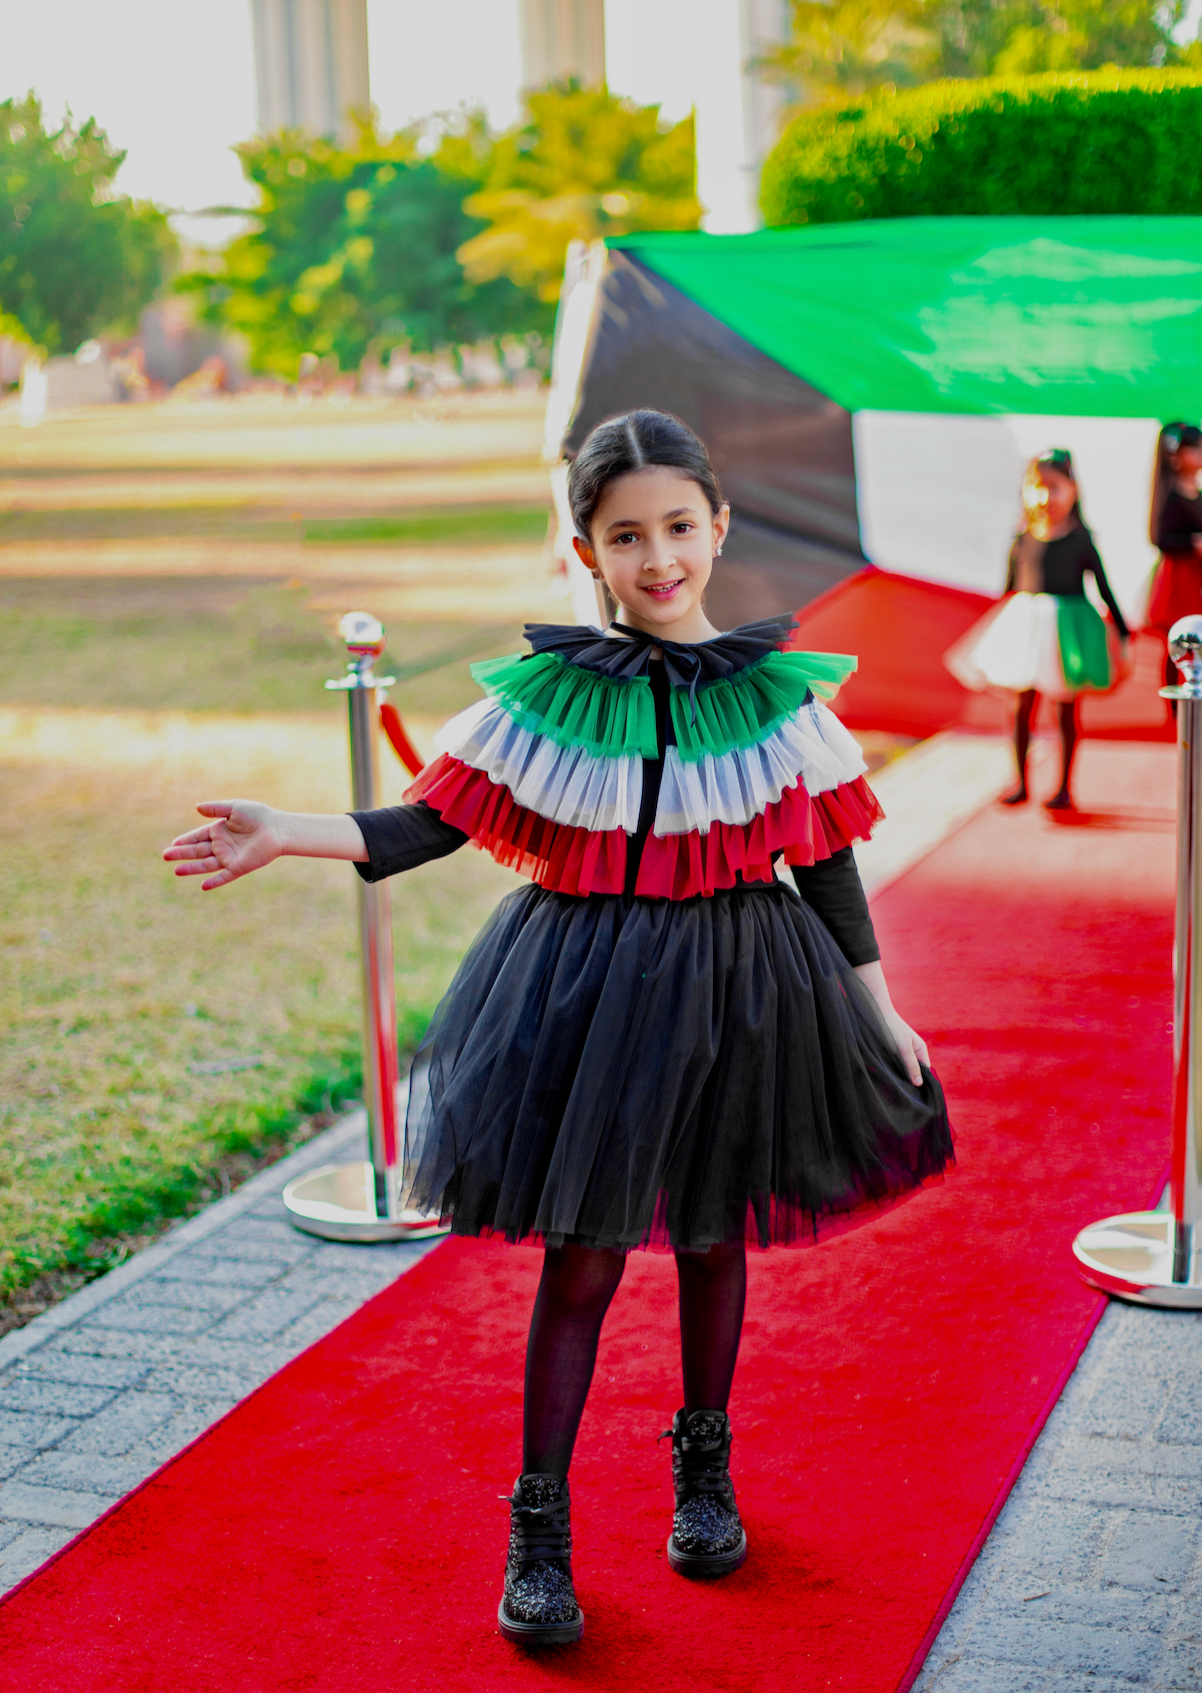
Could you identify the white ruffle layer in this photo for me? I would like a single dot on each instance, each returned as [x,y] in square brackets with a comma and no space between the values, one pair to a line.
[736,786]
[564,784]
[572,787]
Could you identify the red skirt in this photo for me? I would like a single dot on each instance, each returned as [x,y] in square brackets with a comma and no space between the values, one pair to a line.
[1176,591]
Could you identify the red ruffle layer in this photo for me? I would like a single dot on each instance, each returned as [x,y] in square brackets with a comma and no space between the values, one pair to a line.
[571,861]
[806,828]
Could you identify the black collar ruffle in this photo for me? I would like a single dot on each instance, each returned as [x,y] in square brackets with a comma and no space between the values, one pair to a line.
[688,664]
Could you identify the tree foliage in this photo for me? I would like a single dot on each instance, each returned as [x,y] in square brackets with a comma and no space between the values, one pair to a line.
[1090,142]
[843,48]
[586,163]
[977,38]
[75,257]
[354,247]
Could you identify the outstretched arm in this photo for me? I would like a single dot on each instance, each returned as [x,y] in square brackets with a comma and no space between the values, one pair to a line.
[244,836]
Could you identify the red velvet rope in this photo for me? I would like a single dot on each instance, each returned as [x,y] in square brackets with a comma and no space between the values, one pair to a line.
[390,719]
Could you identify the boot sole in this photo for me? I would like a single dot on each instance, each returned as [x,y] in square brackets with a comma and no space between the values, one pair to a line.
[706,1566]
[539,1633]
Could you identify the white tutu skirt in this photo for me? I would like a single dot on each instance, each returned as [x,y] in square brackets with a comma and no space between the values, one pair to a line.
[1016,646]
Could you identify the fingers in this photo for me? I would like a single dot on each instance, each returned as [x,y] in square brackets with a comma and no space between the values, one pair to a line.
[216,807]
[219,880]
[200,867]
[196,845]
[917,1054]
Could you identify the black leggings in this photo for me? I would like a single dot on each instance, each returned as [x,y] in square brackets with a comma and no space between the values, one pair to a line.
[574,1294]
[1025,710]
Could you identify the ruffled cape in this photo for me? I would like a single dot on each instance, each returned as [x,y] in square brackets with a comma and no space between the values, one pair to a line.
[546,772]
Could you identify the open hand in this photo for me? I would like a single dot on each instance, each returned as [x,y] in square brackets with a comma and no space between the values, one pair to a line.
[243,837]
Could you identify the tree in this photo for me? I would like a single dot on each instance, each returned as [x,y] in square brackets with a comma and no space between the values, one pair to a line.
[355,246]
[585,164]
[845,48]
[1020,37]
[75,257]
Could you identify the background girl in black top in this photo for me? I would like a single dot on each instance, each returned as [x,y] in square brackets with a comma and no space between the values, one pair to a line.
[1175,527]
[1047,637]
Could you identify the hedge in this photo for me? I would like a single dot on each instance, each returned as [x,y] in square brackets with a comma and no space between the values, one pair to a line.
[1078,142]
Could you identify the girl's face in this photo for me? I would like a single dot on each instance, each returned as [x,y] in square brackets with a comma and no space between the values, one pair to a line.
[1049,498]
[653,540]
[1187,461]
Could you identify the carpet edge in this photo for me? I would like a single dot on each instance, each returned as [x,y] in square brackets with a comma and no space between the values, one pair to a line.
[178,1457]
[923,1652]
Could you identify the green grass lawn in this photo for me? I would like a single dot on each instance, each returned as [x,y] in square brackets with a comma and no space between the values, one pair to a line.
[213,643]
[122,990]
[466,526]
[434,526]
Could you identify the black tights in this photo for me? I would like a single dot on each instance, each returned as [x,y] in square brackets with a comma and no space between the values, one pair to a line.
[1024,712]
[574,1294]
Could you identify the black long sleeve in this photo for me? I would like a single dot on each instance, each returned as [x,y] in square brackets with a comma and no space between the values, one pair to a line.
[400,837]
[834,893]
[1179,521]
[1094,566]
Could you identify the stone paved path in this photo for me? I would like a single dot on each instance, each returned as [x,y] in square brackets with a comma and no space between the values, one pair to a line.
[100,1391]
[1091,1581]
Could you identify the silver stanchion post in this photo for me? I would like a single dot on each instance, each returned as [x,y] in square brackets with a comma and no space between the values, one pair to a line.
[363,1201]
[1155,1257]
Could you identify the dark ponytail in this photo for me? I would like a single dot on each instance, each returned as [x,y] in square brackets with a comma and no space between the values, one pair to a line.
[636,441]
[1172,437]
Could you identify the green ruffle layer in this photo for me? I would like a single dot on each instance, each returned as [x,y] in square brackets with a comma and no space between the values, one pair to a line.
[572,706]
[743,710]
[575,707]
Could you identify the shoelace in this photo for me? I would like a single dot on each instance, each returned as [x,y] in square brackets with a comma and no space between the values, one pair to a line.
[702,1464]
[541,1532]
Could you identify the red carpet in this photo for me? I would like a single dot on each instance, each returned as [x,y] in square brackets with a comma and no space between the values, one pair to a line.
[341,1529]
[901,627]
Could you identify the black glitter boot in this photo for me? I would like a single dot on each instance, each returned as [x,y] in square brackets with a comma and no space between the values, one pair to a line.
[707,1537]
[538,1607]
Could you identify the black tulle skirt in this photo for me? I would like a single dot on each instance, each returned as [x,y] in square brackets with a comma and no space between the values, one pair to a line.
[627,1072]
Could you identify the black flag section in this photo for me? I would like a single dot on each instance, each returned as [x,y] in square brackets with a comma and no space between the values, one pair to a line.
[782,449]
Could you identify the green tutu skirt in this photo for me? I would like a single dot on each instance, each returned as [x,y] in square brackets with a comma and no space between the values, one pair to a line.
[1084,656]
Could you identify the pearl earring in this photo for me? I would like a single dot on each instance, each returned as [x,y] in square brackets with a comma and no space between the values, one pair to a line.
[718,552]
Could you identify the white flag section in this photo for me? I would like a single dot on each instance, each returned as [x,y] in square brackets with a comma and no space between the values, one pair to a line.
[938,493]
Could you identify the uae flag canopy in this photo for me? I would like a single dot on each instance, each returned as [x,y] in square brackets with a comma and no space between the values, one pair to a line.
[870,393]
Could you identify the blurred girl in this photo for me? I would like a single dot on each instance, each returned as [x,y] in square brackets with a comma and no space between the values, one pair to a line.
[1047,638]
[1175,527]
[658,1043]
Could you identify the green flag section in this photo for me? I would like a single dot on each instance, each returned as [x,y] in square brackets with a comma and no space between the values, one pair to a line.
[1078,316]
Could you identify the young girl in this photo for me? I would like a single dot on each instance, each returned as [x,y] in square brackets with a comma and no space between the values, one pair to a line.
[658,1043]
[1175,527]
[1047,638]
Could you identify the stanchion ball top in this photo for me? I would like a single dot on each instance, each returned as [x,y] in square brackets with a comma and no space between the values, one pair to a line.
[364,634]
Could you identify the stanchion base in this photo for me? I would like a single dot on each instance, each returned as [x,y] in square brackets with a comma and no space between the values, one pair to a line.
[1131,1257]
[338,1202]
